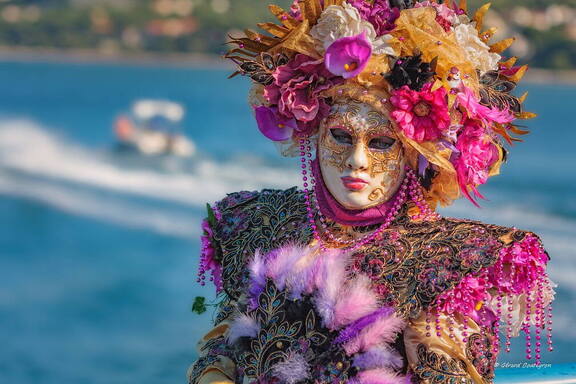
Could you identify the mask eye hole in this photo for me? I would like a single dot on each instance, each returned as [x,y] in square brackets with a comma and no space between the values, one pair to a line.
[381,143]
[341,136]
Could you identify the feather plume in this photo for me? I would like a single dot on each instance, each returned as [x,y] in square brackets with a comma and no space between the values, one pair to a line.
[356,301]
[281,262]
[292,370]
[302,279]
[331,274]
[354,329]
[383,330]
[242,326]
[378,357]
[257,271]
[380,376]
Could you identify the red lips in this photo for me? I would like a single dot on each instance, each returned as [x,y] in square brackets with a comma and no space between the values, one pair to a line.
[354,183]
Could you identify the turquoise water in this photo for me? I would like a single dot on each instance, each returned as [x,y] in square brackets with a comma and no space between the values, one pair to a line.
[98,251]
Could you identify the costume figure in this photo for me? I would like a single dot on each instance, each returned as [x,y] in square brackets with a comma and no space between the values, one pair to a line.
[393,107]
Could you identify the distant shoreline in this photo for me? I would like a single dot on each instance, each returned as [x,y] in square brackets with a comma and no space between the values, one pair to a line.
[199,61]
[80,56]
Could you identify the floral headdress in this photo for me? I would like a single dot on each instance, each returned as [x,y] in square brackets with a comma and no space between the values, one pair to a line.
[426,65]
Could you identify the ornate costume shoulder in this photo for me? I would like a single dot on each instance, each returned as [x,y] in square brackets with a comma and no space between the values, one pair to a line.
[247,221]
[417,261]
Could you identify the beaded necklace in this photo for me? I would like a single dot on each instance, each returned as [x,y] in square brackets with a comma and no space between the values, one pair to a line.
[409,189]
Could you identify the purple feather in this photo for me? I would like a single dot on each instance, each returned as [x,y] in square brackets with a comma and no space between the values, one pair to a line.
[281,263]
[378,357]
[379,376]
[356,301]
[242,326]
[257,270]
[300,280]
[383,330]
[292,370]
[354,329]
[331,276]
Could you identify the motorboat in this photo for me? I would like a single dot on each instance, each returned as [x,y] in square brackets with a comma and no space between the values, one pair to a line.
[154,127]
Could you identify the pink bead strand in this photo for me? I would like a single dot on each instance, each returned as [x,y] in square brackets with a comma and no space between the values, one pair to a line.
[496,347]
[539,321]
[527,328]
[409,187]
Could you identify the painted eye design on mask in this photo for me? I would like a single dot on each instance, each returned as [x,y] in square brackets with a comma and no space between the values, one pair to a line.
[341,136]
[381,143]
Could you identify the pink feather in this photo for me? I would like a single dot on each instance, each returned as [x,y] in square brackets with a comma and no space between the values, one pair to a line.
[380,376]
[356,301]
[281,263]
[330,282]
[383,330]
[300,280]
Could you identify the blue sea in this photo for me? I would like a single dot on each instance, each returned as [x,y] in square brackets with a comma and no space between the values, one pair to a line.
[98,250]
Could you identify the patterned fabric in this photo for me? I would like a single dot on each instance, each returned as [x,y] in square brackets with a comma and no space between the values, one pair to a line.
[428,258]
[288,327]
[412,264]
[200,366]
[213,350]
[484,362]
[212,353]
[252,220]
[435,368]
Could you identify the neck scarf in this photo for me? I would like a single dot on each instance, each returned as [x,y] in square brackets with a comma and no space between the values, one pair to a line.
[333,210]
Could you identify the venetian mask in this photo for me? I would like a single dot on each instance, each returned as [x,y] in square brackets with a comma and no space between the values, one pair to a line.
[361,159]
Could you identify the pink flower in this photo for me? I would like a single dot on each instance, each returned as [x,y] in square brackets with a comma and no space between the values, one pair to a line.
[348,56]
[379,14]
[422,115]
[272,125]
[295,10]
[471,103]
[296,91]
[464,297]
[445,16]
[476,155]
[519,267]
[208,261]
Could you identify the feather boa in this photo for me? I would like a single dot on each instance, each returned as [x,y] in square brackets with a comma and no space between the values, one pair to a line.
[346,305]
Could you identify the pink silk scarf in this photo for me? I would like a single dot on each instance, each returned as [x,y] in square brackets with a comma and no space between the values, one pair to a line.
[333,210]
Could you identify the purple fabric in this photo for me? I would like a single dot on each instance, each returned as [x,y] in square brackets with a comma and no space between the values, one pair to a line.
[336,212]
[355,328]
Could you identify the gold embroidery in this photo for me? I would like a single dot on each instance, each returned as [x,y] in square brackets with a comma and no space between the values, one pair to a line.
[436,368]
[363,125]
[414,262]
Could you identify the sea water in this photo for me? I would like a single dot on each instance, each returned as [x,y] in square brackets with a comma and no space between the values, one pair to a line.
[98,249]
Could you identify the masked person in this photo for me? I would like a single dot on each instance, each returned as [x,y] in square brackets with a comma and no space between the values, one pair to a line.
[393,109]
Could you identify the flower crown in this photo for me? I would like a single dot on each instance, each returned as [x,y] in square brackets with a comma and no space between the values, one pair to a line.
[426,65]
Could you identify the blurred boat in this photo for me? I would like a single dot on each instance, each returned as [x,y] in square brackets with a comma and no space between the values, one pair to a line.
[153,127]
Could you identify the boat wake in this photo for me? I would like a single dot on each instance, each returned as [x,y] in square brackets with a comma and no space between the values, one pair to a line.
[28,148]
[39,165]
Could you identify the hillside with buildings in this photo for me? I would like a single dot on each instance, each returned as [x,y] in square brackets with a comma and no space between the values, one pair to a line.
[546,31]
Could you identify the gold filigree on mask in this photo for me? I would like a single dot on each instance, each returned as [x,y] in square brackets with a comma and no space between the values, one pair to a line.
[332,153]
[376,194]
[363,124]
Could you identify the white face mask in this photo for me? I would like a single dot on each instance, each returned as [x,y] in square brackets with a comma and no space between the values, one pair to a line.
[361,159]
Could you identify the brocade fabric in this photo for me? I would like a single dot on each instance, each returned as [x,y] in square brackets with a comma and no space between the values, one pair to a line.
[410,266]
